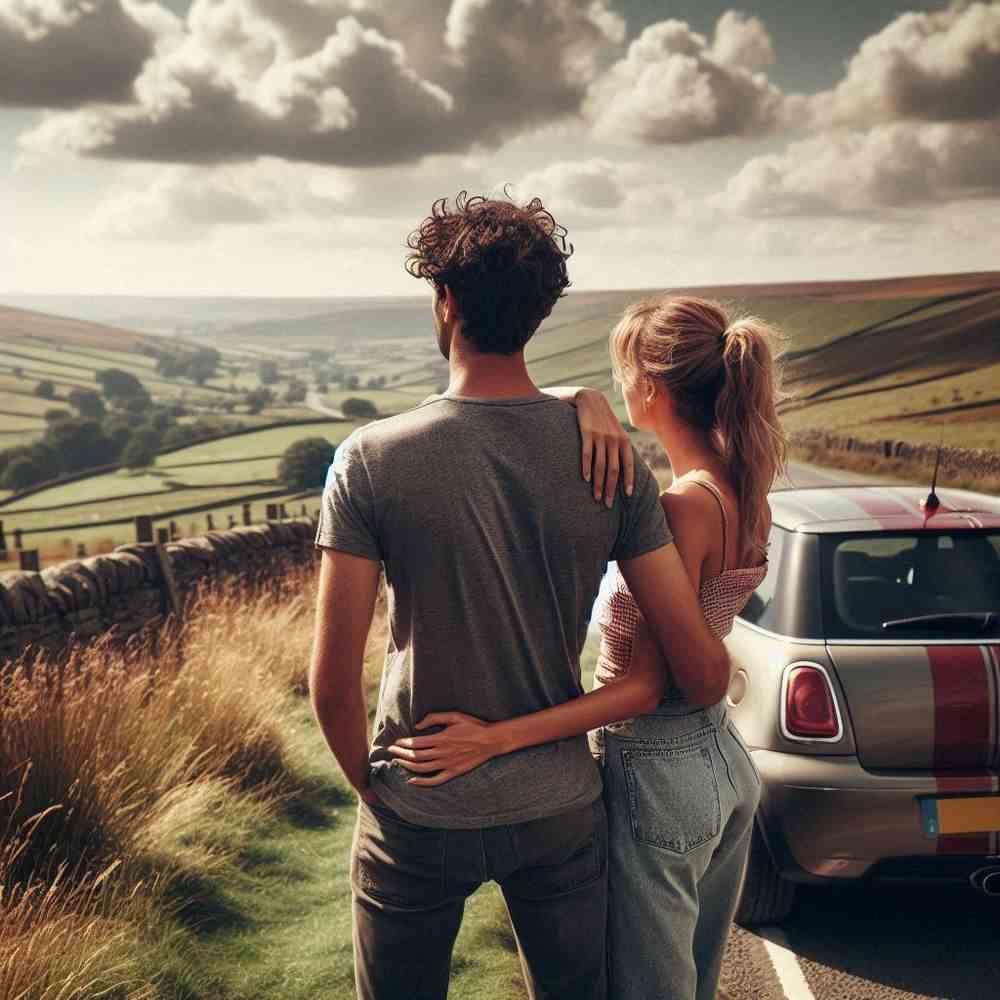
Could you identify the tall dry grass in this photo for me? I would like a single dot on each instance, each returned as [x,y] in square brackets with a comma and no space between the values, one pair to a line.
[126,771]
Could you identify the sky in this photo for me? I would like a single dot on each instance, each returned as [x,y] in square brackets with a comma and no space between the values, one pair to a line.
[287,147]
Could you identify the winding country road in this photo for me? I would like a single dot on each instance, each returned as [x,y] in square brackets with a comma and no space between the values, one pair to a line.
[315,403]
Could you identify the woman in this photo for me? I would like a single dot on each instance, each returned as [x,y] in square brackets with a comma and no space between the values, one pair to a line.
[680,787]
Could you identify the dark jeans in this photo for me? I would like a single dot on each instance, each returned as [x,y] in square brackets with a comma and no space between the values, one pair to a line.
[410,884]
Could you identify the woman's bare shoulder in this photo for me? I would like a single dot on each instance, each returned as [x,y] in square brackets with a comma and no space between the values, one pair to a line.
[690,509]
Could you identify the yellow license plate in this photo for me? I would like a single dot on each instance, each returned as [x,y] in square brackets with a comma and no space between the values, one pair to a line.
[976,814]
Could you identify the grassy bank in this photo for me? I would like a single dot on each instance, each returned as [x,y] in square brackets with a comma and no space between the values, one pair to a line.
[173,826]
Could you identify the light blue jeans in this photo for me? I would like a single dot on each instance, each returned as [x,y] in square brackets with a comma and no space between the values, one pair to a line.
[681,792]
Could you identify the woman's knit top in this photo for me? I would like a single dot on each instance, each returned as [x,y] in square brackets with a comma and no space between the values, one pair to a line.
[721,598]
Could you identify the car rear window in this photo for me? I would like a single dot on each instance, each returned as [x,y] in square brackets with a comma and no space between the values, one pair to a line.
[926,585]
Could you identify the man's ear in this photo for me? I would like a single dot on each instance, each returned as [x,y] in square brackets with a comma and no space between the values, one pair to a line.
[449,306]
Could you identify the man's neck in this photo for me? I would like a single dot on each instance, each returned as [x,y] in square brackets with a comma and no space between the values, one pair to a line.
[488,376]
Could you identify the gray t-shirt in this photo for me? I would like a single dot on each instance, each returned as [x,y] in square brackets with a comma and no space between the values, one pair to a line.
[493,549]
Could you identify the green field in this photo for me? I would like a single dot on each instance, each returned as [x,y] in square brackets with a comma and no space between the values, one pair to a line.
[218,475]
[902,360]
[872,367]
[269,442]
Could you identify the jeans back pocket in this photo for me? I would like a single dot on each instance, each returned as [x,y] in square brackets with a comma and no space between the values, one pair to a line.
[673,796]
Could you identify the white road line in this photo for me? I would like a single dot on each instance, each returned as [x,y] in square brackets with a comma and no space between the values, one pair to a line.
[786,965]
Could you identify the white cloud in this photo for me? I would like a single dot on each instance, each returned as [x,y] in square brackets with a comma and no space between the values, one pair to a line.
[586,193]
[742,41]
[940,66]
[347,82]
[674,87]
[67,53]
[182,204]
[891,166]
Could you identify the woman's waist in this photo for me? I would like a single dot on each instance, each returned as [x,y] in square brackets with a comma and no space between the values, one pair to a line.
[673,705]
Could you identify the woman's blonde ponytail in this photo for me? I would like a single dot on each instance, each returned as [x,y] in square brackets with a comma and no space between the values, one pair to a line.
[723,377]
[750,437]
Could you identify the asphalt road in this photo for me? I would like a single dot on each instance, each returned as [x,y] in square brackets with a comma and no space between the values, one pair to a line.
[800,475]
[870,942]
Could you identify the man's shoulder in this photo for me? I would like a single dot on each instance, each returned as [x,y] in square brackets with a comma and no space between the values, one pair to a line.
[399,426]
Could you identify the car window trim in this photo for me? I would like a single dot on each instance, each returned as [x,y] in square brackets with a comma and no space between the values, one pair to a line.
[778,635]
[964,641]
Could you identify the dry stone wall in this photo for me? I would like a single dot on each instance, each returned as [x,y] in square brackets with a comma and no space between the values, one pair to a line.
[132,589]
[975,461]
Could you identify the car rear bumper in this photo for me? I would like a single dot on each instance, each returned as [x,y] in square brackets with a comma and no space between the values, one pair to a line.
[828,818]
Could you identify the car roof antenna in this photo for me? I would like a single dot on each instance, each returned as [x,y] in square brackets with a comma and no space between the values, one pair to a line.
[932,502]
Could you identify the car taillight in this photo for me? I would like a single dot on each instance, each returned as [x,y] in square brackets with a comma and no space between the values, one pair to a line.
[810,709]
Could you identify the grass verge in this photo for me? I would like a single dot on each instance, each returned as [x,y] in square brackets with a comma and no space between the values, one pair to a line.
[173,825]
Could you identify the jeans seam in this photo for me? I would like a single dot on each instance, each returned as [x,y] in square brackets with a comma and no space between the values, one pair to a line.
[734,734]
[725,760]
[678,742]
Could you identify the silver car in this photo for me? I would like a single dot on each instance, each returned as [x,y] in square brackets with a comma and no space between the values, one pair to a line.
[867,685]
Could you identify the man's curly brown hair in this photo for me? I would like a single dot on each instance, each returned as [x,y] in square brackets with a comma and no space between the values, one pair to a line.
[504,263]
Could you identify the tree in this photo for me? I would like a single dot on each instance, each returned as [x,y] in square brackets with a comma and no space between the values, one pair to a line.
[267,373]
[179,435]
[118,385]
[203,365]
[21,474]
[87,403]
[79,444]
[257,399]
[141,449]
[51,416]
[355,407]
[296,392]
[45,390]
[160,419]
[305,463]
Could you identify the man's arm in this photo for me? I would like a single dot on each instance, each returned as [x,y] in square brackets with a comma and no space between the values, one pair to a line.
[698,661]
[344,607]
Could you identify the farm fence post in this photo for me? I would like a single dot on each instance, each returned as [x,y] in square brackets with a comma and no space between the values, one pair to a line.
[18,539]
[210,521]
[247,519]
[271,512]
[3,541]
[172,591]
[144,528]
[29,561]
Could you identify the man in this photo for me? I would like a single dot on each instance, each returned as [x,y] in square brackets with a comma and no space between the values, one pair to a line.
[493,549]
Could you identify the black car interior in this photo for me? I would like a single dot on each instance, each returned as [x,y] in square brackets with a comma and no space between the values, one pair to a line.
[882,578]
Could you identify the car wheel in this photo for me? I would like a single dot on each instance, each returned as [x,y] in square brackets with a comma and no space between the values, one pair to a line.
[766,897]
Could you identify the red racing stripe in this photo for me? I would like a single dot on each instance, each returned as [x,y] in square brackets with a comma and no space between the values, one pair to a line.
[962,709]
[878,505]
[962,716]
